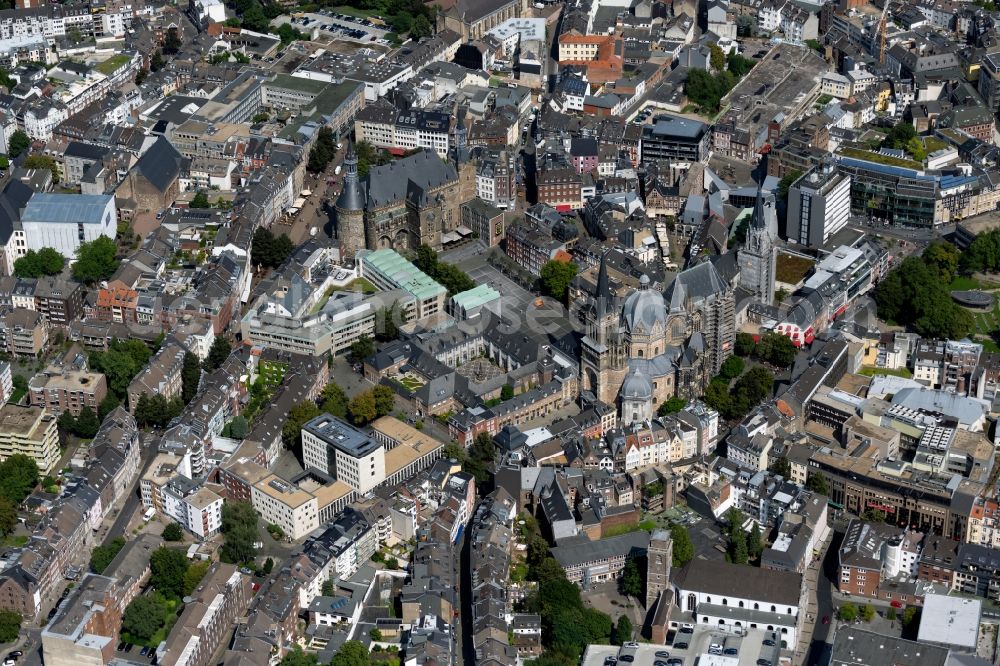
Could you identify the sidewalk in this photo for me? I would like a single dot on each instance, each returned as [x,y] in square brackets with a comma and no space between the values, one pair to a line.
[811,609]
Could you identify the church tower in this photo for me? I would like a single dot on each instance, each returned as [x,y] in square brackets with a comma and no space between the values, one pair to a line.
[350,207]
[602,360]
[758,256]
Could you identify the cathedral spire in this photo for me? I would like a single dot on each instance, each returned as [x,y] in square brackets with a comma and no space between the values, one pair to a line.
[351,196]
[603,294]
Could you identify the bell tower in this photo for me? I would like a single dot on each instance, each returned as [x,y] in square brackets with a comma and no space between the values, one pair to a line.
[350,207]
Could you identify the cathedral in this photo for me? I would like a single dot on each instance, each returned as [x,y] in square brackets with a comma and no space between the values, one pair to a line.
[652,345]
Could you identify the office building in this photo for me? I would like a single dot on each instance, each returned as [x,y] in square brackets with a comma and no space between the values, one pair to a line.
[336,448]
[819,205]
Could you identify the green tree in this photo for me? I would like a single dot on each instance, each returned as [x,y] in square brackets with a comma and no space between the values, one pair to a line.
[755,543]
[385,400]
[102,555]
[717,59]
[671,406]
[706,89]
[816,482]
[375,635]
[156,411]
[744,344]
[776,349]
[10,626]
[362,348]
[334,400]
[120,364]
[43,162]
[683,551]
[873,515]
[156,61]
[238,427]
[732,368]
[363,409]
[506,392]
[633,583]
[18,143]
[867,613]
[239,531]
[911,617]
[268,250]
[351,653]
[172,42]
[8,516]
[87,424]
[200,200]
[95,260]
[738,65]
[786,182]
[190,377]
[781,467]
[556,277]
[298,415]
[18,477]
[899,136]
[173,532]
[144,616]
[167,568]
[268,566]
[890,614]
[848,612]
[623,630]
[217,353]
[38,264]
[194,575]
[296,657]
[108,405]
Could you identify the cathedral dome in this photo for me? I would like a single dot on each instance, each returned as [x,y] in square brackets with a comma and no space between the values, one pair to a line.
[637,386]
[644,309]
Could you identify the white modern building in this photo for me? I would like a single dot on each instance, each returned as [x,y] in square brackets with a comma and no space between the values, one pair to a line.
[336,448]
[284,504]
[819,205]
[64,221]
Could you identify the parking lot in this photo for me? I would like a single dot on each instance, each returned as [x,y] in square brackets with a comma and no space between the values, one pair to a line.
[699,645]
[337,25]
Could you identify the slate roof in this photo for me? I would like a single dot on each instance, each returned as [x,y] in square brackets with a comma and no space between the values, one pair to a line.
[407,178]
[161,164]
[733,580]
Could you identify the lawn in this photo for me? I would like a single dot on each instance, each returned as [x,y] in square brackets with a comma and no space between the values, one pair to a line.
[932,143]
[272,373]
[169,617]
[17,394]
[881,159]
[354,11]
[112,64]
[410,383]
[791,269]
[15,540]
[963,283]
[871,371]
[358,284]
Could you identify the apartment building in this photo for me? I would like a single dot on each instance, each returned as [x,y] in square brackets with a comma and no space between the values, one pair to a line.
[31,431]
[24,333]
[67,389]
[206,622]
[161,376]
[284,504]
